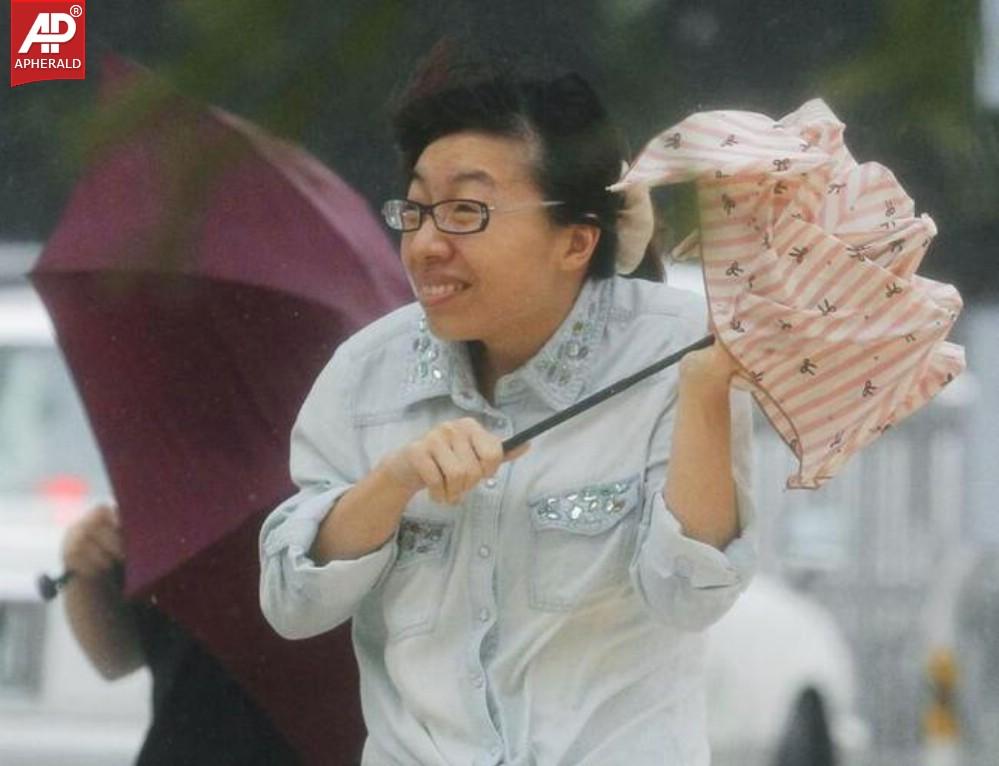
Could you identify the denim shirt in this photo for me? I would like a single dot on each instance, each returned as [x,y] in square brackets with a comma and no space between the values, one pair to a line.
[554,616]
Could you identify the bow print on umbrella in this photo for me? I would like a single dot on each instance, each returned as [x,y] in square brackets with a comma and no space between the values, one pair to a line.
[809,262]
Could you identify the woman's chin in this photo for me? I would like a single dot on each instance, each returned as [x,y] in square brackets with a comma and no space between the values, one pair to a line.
[450,328]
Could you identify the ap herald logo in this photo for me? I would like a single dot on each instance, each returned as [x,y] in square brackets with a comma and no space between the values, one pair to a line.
[47,41]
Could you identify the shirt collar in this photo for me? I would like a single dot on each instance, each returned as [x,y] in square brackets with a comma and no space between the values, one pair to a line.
[558,373]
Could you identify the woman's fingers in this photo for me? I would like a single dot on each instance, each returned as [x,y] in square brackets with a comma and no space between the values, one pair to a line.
[451,459]
[421,460]
[88,558]
[96,561]
[488,448]
[465,453]
[472,468]
[93,544]
[516,452]
[109,539]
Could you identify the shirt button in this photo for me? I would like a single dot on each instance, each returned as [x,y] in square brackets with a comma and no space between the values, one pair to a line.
[484,615]
[491,482]
[478,681]
[484,551]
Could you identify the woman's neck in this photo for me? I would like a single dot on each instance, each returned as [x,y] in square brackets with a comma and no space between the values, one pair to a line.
[492,359]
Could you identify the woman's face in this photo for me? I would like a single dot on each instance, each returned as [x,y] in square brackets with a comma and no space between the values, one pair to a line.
[503,283]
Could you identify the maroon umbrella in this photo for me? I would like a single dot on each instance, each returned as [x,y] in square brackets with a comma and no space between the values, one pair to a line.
[200,277]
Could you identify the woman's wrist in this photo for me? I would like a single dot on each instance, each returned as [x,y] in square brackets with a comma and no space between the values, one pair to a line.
[387,477]
[705,387]
[708,372]
[364,518]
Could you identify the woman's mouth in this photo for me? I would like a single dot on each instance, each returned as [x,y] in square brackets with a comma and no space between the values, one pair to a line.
[433,294]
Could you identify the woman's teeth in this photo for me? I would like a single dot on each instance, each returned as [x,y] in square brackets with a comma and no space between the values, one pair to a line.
[436,291]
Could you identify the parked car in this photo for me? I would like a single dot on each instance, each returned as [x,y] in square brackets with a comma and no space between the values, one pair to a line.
[55,710]
[781,684]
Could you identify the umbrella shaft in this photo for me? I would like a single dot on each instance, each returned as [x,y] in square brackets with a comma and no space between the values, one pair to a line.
[49,587]
[605,393]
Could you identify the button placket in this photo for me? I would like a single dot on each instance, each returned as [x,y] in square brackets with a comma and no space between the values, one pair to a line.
[481,580]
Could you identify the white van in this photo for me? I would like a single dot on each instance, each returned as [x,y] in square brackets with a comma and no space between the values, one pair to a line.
[55,710]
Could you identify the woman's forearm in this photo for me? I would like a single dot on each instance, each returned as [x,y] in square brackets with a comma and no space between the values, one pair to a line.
[700,491]
[362,520]
[103,625]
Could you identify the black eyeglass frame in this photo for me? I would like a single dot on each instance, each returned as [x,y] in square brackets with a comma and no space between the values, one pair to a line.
[425,210]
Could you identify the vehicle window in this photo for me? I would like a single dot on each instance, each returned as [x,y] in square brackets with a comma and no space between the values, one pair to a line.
[44,435]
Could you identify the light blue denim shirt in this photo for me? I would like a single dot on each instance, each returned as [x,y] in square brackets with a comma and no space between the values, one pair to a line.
[555,616]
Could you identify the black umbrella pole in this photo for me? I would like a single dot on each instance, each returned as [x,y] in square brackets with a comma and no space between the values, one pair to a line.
[49,587]
[605,393]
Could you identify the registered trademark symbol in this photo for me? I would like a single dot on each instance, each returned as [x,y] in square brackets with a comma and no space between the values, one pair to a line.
[76,10]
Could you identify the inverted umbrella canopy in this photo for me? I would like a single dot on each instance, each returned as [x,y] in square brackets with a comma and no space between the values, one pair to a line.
[809,261]
[201,276]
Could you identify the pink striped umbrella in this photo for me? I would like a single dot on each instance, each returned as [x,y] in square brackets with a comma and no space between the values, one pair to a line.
[809,262]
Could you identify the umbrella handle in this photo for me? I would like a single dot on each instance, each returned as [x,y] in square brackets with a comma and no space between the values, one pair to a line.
[49,587]
[605,393]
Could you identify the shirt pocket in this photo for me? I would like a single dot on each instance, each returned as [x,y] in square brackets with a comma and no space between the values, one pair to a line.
[414,588]
[581,542]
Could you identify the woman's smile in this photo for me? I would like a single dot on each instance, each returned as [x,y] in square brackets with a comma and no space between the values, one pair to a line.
[434,292]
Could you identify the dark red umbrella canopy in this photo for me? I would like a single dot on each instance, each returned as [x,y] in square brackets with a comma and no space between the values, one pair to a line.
[201,276]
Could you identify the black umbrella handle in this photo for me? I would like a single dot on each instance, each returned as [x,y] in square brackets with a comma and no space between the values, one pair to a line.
[605,393]
[49,587]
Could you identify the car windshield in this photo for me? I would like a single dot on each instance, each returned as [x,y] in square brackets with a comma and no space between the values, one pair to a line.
[44,435]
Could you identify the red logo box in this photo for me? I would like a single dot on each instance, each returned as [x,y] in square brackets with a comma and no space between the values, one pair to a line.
[48,41]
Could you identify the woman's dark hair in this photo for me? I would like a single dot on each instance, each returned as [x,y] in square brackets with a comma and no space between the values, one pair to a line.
[580,150]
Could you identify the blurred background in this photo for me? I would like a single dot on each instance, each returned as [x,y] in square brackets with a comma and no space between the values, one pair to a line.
[899,554]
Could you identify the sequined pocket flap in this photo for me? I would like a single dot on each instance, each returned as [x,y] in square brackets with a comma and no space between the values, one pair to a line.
[589,510]
[421,538]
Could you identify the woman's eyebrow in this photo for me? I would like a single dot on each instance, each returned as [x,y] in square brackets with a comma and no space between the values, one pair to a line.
[480,176]
[462,176]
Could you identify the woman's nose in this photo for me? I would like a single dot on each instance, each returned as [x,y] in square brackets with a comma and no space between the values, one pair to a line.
[427,242]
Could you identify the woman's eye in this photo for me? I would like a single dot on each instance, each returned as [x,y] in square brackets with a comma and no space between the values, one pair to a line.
[409,216]
[464,211]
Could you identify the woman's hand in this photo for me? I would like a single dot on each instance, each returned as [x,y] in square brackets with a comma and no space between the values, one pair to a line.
[99,617]
[449,460]
[93,545]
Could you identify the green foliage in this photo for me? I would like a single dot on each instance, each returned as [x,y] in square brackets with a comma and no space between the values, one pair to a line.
[915,80]
[899,72]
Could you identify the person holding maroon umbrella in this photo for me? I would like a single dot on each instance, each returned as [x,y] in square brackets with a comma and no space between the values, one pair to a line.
[540,605]
[200,276]
[200,714]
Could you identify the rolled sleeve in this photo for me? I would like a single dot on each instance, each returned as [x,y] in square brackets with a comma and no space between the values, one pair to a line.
[686,582]
[298,598]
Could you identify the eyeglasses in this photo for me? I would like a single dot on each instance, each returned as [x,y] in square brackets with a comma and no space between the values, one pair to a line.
[451,216]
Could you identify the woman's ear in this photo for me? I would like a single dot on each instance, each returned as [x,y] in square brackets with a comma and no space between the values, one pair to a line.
[583,239]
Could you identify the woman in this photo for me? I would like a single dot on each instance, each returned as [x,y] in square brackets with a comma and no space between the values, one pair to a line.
[546,606]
